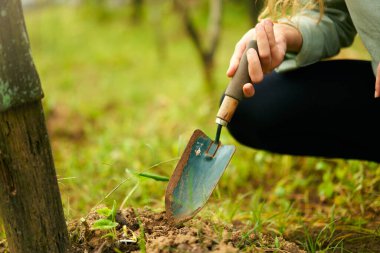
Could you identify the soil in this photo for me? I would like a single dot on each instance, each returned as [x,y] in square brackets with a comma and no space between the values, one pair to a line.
[3,246]
[144,228]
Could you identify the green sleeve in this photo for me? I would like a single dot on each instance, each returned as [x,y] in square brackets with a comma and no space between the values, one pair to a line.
[322,37]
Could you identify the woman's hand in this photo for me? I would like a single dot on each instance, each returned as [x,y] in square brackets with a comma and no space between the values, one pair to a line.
[273,41]
[377,84]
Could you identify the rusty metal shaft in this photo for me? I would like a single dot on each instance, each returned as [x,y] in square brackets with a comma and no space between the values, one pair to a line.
[218,132]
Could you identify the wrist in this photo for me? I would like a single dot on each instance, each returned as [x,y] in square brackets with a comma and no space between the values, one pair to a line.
[291,35]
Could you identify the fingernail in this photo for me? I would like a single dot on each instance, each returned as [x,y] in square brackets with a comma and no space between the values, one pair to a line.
[228,69]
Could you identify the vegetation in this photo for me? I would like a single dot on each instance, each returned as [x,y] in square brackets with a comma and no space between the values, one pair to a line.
[108,222]
[115,104]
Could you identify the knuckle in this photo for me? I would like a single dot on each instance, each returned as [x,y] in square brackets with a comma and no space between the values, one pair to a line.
[259,27]
[268,23]
[238,45]
[251,52]
[265,56]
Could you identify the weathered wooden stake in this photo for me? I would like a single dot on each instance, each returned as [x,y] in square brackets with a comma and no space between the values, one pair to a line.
[30,202]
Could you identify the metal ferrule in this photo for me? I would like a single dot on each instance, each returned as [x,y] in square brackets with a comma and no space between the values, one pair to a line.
[221,122]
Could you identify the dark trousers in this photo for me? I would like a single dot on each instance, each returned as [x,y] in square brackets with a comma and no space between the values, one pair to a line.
[326,109]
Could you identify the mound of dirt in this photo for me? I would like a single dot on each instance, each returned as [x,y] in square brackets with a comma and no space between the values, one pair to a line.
[141,229]
[3,246]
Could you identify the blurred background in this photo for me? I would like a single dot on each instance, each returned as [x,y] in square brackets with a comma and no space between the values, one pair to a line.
[126,83]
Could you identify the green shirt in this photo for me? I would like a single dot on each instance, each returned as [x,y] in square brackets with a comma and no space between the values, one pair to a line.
[341,21]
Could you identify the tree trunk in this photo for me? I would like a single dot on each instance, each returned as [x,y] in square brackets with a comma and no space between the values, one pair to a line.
[207,49]
[137,11]
[208,71]
[255,7]
[156,21]
[30,202]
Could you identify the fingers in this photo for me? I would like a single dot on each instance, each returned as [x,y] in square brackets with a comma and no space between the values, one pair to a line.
[276,53]
[268,25]
[239,50]
[254,67]
[377,84]
[235,59]
[268,56]
[264,48]
[248,90]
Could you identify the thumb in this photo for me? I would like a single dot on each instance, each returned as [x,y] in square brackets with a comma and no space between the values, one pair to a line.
[377,84]
[248,90]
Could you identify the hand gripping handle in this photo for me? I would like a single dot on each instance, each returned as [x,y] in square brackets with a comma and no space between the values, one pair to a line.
[234,92]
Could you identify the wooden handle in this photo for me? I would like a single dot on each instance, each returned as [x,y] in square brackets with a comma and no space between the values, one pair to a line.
[241,76]
[234,91]
[226,110]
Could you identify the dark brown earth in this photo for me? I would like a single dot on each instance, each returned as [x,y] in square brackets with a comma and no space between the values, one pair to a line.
[156,234]
[3,246]
[144,228]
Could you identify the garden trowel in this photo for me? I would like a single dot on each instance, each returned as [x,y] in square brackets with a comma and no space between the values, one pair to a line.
[204,160]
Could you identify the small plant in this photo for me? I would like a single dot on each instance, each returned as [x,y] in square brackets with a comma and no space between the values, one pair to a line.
[2,231]
[141,240]
[323,241]
[277,243]
[246,238]
[107,223]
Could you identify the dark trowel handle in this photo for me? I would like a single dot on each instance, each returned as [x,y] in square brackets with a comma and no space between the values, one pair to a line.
[234,92]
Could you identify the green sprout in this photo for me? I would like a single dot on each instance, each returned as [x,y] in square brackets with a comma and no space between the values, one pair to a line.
[107,223]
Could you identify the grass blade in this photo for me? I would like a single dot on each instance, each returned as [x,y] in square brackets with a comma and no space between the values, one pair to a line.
[153,176]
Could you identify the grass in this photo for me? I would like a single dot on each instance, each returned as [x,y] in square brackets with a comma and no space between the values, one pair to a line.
[114,100]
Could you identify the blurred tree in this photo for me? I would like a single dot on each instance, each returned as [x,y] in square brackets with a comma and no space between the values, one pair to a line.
[31,207]
[137,10]
[35,3]
[254,8]
[156,7]
[206,48]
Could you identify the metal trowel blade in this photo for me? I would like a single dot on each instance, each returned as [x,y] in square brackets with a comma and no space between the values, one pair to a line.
[197,173]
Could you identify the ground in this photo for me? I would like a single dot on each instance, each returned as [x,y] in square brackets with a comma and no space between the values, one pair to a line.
[154,233]
[145,230]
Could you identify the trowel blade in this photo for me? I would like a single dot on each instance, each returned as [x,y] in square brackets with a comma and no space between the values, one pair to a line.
[197,173]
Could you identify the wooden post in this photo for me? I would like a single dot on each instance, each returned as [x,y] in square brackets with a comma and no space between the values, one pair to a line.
[30,202]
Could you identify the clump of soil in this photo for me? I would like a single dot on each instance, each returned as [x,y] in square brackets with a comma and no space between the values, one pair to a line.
[3,246]
[145,229]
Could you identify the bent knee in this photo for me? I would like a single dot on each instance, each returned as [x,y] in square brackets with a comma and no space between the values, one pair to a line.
[248,130]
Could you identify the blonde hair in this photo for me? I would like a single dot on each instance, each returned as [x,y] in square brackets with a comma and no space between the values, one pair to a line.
[276,9]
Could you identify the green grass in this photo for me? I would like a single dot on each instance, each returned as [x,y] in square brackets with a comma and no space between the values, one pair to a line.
[115,101]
